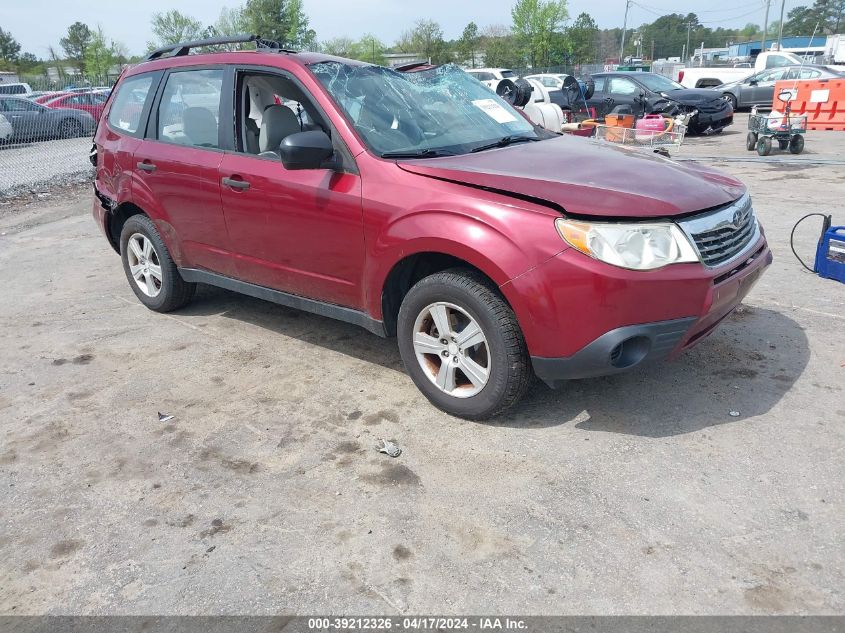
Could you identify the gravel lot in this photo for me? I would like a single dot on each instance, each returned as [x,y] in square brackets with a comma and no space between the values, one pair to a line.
[44,165]
[632,494]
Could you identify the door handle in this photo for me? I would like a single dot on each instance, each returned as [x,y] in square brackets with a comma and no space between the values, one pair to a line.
[235,184]
[145,166]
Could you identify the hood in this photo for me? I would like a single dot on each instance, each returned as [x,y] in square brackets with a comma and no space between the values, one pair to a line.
[693,96]
[587,177]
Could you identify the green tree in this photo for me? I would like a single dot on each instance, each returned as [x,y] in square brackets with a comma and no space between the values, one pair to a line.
[828,15]
[299,36]
[426,40]
[173,27]
[28,63]
[534,23]
[582,38]
[9,48]
[369,49]
[499,48]
[267,18]
[468,44]
[99,55]
[750,30]
[338,46]
[230,22]
[75,44]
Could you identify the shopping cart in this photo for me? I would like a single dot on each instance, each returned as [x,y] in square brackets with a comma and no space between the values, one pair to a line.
[649,140]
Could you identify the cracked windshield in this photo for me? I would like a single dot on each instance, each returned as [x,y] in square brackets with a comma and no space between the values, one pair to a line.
[437,112]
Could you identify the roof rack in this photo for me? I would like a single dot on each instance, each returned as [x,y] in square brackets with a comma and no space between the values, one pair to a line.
[183,48]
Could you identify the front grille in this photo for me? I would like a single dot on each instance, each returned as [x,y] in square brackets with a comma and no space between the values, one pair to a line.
[717,105]
[721,235]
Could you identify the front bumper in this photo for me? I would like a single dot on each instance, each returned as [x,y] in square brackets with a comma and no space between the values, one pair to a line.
[582,318]
[713,121]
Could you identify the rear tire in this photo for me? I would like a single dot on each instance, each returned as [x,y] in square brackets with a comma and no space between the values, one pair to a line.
[150,270]
[491,371]
[751,141]
[70,128]
[796,144]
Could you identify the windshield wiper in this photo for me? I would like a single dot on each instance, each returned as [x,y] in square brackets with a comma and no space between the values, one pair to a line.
[421,153]
[503,142]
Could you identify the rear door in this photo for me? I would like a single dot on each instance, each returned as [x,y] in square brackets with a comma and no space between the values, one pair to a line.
[177,164]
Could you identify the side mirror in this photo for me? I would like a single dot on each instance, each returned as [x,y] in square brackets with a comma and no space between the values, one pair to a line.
[306,150]
[752,82]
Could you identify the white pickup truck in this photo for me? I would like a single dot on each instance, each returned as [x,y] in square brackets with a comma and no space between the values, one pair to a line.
[708,77]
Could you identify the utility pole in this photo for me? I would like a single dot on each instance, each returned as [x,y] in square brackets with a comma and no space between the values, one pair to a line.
[765,27]
[624,28]
[780,26]
[686,50]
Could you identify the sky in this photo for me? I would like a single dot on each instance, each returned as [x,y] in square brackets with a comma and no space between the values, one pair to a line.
[36,24]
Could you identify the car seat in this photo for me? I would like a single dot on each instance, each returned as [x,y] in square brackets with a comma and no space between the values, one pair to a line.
[277,122]
[200,127]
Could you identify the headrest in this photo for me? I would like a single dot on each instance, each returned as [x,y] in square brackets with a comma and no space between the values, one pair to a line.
[277,122]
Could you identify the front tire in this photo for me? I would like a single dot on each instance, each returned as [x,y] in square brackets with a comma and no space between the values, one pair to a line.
[462,345]
[732,100]
[764,146]
[150,270]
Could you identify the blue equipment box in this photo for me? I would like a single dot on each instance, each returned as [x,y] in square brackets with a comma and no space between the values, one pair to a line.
[830,256]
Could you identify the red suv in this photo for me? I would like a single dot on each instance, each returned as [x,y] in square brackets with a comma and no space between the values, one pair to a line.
[416,205]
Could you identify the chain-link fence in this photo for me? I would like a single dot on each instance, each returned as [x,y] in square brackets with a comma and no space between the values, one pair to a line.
[41,165]
[45,136]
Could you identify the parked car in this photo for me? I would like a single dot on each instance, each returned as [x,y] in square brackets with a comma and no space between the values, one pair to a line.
[90,102]
[44,97]
[417,205]
[17,88]
[759,88]
[552,81]
[492,76]
[650,92]
[710,77]
[33,121]
[6,129]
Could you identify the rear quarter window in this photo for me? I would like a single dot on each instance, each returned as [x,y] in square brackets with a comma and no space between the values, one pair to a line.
[132,95]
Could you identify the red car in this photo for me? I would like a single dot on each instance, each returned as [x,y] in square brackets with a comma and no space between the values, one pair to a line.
[49,96]
[90,102]
[416,205]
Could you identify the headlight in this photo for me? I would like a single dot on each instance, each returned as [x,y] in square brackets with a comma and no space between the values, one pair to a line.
[640,246]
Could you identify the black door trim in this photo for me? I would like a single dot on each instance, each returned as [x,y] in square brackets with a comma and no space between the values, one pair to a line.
[356,317]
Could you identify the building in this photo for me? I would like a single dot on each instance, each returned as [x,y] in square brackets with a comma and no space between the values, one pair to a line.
[799,44]
[400,59]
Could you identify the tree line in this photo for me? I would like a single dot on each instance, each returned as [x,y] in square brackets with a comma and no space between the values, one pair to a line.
[541,35]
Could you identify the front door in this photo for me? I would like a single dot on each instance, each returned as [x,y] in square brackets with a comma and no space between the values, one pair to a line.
[177,163]
[299,231]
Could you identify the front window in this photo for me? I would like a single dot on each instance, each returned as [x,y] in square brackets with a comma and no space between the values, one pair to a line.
[442,111]
[659,83]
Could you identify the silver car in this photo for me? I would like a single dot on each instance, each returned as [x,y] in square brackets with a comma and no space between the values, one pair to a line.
[759,88]
[34,122]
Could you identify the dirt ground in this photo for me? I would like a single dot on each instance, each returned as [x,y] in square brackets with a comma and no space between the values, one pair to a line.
[636,494]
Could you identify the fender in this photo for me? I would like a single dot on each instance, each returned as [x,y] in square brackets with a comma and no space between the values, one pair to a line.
[142,197]
[459,235]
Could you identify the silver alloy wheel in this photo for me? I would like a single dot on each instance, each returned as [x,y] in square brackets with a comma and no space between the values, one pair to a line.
[144,264]
[452,350]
